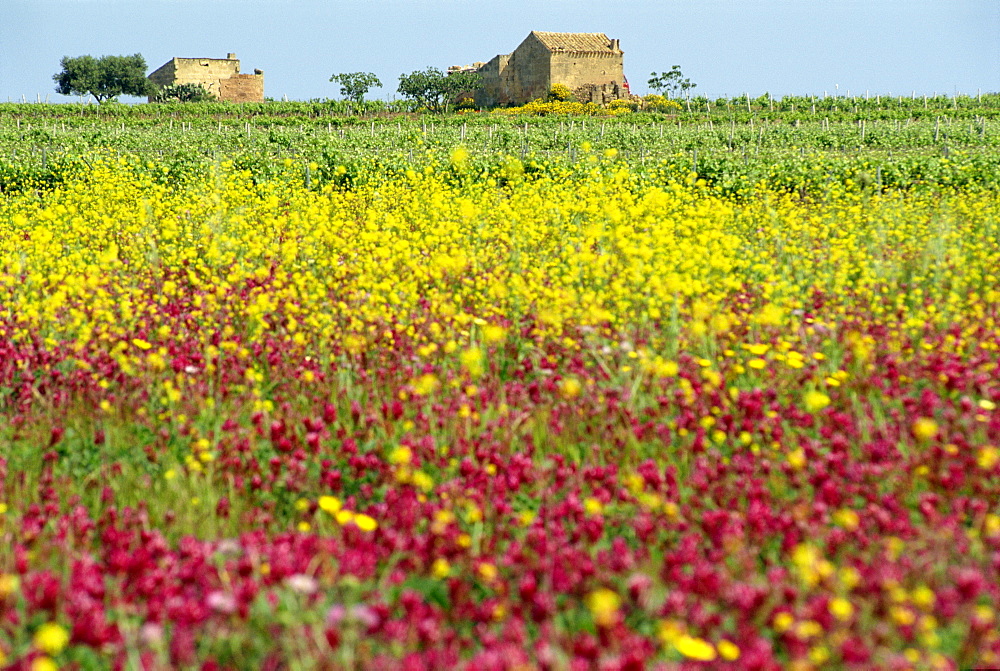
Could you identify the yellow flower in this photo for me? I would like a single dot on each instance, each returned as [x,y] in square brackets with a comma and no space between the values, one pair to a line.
[783,621]
[816,401]
[459,156]
[329,504]
[43,664]
[365,523]
[923,596]
[669,631]
[570,387]
[440,568]
[425,384]
[400,455]
[757,364]
[924,429]
[604,604]
[987,457]
[593,506]
[728,650]
[9,584]
[797,459]
[141,344]
[695,648]
[51,638]
[494,333]
[841,608]
[422,481]
[488,571]
[846,518]
[472,360]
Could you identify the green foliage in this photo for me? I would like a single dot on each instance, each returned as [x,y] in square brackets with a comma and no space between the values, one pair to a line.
[434,89]
[104,78]
[671,83]
[354,85]
[183,93]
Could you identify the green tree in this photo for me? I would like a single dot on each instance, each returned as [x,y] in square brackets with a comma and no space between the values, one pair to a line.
[354,85]
[434,89]
[670,83]
[183,93]
[104,78]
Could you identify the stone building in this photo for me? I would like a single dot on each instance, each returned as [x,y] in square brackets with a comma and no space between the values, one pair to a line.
[590,64]
[219,76]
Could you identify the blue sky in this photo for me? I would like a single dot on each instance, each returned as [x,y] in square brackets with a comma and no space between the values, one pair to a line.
[727,47]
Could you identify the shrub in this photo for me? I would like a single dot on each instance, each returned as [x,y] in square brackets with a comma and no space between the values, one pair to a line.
[560,92]
[183,93]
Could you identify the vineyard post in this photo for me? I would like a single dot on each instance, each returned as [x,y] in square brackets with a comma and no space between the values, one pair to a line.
[749,111]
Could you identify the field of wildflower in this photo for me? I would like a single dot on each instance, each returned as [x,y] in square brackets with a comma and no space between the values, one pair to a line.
[461,408]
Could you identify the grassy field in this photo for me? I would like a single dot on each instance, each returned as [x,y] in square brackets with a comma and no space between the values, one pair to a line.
[314,390]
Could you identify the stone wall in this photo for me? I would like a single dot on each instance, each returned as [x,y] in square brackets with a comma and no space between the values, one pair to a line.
[219,76]
[495,84]
[529,72]
[530,66]
[585,69]
[243,89]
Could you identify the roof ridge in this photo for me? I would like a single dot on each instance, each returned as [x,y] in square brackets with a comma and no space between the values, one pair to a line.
[580,42]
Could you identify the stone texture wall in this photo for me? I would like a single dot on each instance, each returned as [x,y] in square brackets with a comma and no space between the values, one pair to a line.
[530,65]
[496,82]
[242,89]
[529,72]
[219,76]
[586,69]
[601,94]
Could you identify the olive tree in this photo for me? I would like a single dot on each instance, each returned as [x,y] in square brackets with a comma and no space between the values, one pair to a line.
[104,78]
[354,85]
[434,89]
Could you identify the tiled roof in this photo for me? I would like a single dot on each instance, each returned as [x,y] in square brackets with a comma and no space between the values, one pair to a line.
[574,41]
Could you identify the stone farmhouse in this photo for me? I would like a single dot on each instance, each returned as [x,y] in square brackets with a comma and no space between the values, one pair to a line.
[590,64]
[219,76]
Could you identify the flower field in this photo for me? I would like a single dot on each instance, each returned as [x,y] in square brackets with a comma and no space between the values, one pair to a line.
[494,412]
